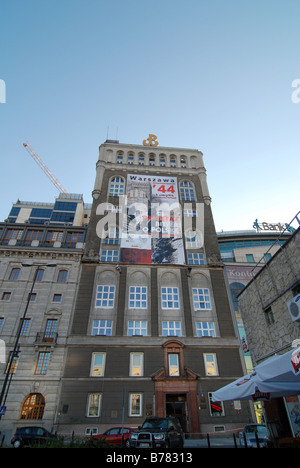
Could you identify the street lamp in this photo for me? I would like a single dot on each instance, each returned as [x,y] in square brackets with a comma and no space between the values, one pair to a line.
[16,346]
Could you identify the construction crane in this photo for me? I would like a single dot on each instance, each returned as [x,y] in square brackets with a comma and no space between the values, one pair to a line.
[43,166]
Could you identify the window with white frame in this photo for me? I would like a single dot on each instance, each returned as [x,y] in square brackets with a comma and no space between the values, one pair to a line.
[169,298]
[210,361]
[136,364]
[193,240]
[105,296]
[98,364]
[137,327]
[171,328]
[102,328]
[109,255]
[187,191]
[195,258]
[111,235]
[116,187]
[135,404]
[93,405]
[201,298]
[138,297]
[205,329]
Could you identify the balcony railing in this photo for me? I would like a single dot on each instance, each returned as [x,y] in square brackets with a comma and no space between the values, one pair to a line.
[46,337]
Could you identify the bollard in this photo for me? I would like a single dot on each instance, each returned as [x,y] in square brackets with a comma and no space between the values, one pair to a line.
[208,441]
[234,440]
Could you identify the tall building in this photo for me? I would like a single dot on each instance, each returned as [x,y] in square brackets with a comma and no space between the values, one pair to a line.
[152,332]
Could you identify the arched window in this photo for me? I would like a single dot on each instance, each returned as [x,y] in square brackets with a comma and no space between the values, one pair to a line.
[33,407]
[116,187]
[187,191]
[193,240]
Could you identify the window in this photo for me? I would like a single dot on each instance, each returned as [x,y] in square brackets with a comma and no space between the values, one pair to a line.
[205,329]
[210,361]
[250,258]
[31,297]
[12,234]
[72,238]
[33,407]
[32,235]
[173,360]
[62,276]
[137,327]
[15,362]
[196,259]
[171,328]
[173,161]
[14,274]
[186,190]
[267,257]
[130,159]
[102,328]
[136,364]
[111,235]
[6,296]
[135,404]
[141,160]
[52,237]
[138,297]
[170,298]
[24,324]
[50,330]
[42,363]
[39,275]
[116,187]
[94,403]
[57,297]
[193,240]
[98,364]
[105,296]
[119,158]
[109,256]
[1,325]
[216,407]
[201,299]
[182,161]
[269,316]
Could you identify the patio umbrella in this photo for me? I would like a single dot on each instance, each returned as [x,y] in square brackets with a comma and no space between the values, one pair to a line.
[276,377]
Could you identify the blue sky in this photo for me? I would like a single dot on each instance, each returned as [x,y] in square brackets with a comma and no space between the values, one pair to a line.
[214,75]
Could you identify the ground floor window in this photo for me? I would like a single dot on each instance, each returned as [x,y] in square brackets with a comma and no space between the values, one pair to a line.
[33,407]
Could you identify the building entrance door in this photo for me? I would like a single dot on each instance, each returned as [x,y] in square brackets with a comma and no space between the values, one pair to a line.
[176,406]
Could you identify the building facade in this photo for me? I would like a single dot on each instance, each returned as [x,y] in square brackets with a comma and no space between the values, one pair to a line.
[269,300]
[152,331]
[48,256]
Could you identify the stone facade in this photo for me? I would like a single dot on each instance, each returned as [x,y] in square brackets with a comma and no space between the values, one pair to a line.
[263,302]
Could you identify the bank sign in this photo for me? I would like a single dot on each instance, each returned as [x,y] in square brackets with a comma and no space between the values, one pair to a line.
[152,224]
[272,226]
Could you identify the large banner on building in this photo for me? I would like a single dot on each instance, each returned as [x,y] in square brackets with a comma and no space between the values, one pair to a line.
[152,222]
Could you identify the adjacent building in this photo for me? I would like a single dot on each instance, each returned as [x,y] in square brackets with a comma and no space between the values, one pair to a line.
[49,255]
[270,309]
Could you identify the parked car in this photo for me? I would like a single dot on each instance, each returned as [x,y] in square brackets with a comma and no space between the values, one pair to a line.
[113,436]
[158,432]
[29,436]
[254,432]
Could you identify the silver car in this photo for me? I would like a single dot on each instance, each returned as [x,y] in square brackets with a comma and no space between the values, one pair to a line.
[255,435]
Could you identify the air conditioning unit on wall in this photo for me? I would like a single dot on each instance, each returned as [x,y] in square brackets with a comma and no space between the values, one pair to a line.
[294,308]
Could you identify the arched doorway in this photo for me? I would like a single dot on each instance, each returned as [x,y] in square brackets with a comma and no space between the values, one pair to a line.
[33,407]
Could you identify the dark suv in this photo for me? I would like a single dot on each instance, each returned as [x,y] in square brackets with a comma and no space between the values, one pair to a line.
[28,436]
[158,432]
